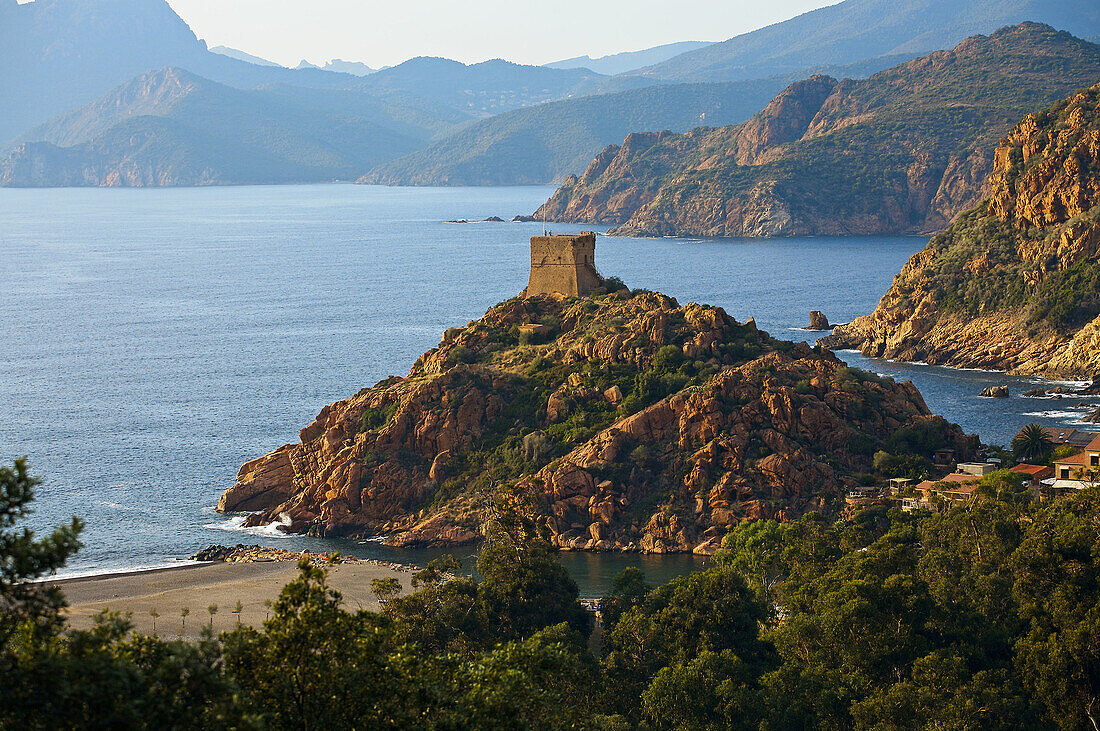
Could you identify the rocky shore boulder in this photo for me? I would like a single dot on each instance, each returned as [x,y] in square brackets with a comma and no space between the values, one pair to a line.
[994,392]
[638,424]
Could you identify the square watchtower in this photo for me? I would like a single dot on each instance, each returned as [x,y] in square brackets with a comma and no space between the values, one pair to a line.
[564,265]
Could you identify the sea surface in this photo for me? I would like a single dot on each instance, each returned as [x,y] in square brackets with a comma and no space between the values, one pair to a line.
[151,341]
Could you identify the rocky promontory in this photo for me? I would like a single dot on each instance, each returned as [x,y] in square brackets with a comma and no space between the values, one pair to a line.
[1014,284]
[625,422]
[904,151]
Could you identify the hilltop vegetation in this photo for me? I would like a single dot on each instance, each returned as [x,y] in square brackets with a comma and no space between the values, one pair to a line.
[901,152]
[1015,283]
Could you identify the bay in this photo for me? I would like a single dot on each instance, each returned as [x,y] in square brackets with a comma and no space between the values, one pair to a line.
[151,341]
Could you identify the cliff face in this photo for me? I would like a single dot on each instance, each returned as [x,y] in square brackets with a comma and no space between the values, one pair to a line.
[904,151]
[1015,283]
[632,424]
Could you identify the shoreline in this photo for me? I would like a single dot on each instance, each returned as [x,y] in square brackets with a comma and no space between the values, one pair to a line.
[182,596]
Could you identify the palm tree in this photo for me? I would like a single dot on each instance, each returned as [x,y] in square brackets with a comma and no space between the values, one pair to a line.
[1032,444]
[154,614]
[183,619]
[212,609]
[237,610]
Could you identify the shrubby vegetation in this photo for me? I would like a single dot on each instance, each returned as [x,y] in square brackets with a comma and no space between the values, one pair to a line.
[985,616]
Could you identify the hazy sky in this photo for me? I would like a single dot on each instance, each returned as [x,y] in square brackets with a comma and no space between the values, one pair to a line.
[385,33]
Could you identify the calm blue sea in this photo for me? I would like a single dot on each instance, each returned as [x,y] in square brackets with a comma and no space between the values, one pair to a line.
[151,341]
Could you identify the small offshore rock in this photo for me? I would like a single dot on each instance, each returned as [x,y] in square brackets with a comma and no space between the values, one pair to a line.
[995,392]
[818,321]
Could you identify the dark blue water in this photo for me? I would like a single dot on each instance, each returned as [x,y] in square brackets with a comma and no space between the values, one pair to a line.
[151,341]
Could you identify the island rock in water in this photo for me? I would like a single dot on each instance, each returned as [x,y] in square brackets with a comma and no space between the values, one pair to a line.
[624,422]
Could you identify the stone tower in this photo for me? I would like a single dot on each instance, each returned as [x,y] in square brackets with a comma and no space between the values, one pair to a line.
[564,264]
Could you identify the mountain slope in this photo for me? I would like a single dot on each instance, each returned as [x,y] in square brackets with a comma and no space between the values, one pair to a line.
[637,425]
[59,54]
[621,63]
[543,144]
[484,88]
[242,56]
[859,29]
[901,152]
[174,128]
[1015,283]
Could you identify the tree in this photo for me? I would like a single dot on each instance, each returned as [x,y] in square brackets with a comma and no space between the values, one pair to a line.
[1032,444]
[99,678]
[709,611]
[1056,574]
[628,589]
[24,558]
[712,691]
[315,665]
[385,589]
[755,549]
[524,589]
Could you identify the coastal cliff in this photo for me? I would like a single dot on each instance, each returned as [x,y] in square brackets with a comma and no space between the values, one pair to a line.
[1015,283]
[905,151]
[627,422]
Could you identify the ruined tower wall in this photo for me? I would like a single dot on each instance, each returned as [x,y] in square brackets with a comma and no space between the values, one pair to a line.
[564,264]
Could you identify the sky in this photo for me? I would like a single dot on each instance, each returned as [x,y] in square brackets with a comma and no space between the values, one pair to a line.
[386,33]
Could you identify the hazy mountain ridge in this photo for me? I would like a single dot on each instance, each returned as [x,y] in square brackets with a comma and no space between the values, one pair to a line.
[621,63]
[543,144]
[59,54]
[857,29]
[171,127]
[483,88]
[902,152]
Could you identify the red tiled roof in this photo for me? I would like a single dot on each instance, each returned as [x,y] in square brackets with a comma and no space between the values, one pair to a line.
[956,481]
[1035,470]
[1081,458]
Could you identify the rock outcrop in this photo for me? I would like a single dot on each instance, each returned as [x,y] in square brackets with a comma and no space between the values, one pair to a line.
[1015,283]
[637,425]
[818,321]
[895,153]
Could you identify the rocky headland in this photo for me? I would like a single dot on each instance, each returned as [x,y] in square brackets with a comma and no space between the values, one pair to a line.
[905,151]
[1014,284]
[625,422]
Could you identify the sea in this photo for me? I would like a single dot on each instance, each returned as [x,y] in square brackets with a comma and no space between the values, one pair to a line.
[153,340]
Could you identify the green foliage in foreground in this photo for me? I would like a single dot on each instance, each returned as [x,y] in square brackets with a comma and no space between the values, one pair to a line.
[983,617]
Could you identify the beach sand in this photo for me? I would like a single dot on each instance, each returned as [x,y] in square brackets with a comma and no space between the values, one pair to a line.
[198,586]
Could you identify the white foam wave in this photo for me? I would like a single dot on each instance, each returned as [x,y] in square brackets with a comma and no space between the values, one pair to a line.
[271,530]
[1053,414]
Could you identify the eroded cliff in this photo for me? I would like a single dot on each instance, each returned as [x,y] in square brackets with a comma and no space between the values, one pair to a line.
[905,151]
[628,422]
[1015,283]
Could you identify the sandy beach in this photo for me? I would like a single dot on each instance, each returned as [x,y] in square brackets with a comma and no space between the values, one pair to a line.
[196,587]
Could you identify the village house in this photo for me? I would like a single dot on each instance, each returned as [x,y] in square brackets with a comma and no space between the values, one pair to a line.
[954,489]
[1071,437]
[1078,471]
[1033,474]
